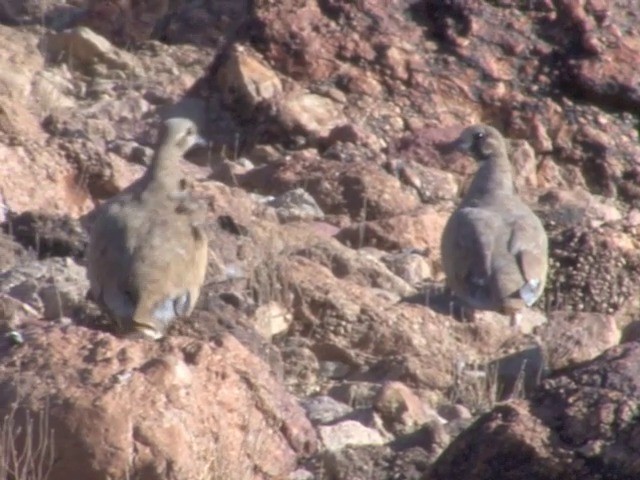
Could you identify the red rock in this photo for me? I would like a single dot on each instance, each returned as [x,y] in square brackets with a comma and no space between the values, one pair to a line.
[359,189]
[401,410]
[312,114]
[351,323]
[125,20]
[245,80]
[572,338]
[176,409]
[295,30]
[607,75]
[420,230]
[578,425]
[402,77]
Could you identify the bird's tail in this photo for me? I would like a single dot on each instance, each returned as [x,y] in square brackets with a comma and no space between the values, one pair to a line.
[529,292]
[153,320]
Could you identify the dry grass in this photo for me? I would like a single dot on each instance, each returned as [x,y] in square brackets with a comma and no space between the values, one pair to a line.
[26,445]
[268,281]
[479,389]
[475,388]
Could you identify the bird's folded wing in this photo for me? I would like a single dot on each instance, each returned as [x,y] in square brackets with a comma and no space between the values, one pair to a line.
[528,244]
[170,255]
[476,231]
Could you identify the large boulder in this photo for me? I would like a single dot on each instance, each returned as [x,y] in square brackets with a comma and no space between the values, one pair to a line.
[581,424]
[178,409]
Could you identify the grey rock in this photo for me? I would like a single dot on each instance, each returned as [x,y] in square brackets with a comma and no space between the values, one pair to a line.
[349,432]
[54,287]
[323,410]
[296,205]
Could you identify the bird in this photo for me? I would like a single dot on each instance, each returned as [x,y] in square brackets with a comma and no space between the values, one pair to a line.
[147,251]
[494,248]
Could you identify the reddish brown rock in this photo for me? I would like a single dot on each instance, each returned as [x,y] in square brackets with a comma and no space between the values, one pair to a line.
[400,409]
[578,207]
[378,338]
[294,37]
[26,184]
[518,440]
[311,114]
[578,425]
[572,338]
[606,72]
[420,230]
[176,409]
[376,88]
[361,190]
[245,81]
[592,270]
[125,21]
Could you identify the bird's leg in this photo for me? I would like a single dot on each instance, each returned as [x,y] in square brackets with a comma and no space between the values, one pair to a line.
[468,314]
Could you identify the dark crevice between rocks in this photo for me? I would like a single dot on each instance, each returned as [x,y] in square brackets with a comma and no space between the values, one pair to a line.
[330,9]
[612,97]
[47,235]
[444,20]
[17,14]
[523,5]
[572,46]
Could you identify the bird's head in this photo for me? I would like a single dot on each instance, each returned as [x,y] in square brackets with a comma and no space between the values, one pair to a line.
[181,133]
[481,141]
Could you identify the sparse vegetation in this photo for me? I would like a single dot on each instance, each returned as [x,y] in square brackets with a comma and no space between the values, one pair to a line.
[475,388]
[26,444]
[351,101]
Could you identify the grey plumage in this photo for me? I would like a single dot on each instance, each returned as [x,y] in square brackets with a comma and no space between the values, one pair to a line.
[494,248]
[147,253]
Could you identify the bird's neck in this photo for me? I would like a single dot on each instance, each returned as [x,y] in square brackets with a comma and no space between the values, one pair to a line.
[494,178]
[164,170]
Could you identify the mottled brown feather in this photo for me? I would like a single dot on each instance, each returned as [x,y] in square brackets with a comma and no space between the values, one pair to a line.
[147,250]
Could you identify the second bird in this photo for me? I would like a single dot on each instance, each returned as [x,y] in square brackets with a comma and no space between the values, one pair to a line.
[494,248]
[147,254]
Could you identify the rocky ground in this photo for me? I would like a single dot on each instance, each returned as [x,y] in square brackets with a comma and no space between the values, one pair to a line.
[324,346]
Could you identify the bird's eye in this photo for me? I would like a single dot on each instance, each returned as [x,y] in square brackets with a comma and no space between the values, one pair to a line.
[189,131]
[478,135]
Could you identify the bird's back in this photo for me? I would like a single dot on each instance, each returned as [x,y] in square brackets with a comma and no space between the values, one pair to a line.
[168,253]
[481,250]
[142,251]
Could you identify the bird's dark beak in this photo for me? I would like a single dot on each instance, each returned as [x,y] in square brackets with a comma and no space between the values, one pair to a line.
[200,141]
[448,148]
[197,144]
[460,144]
